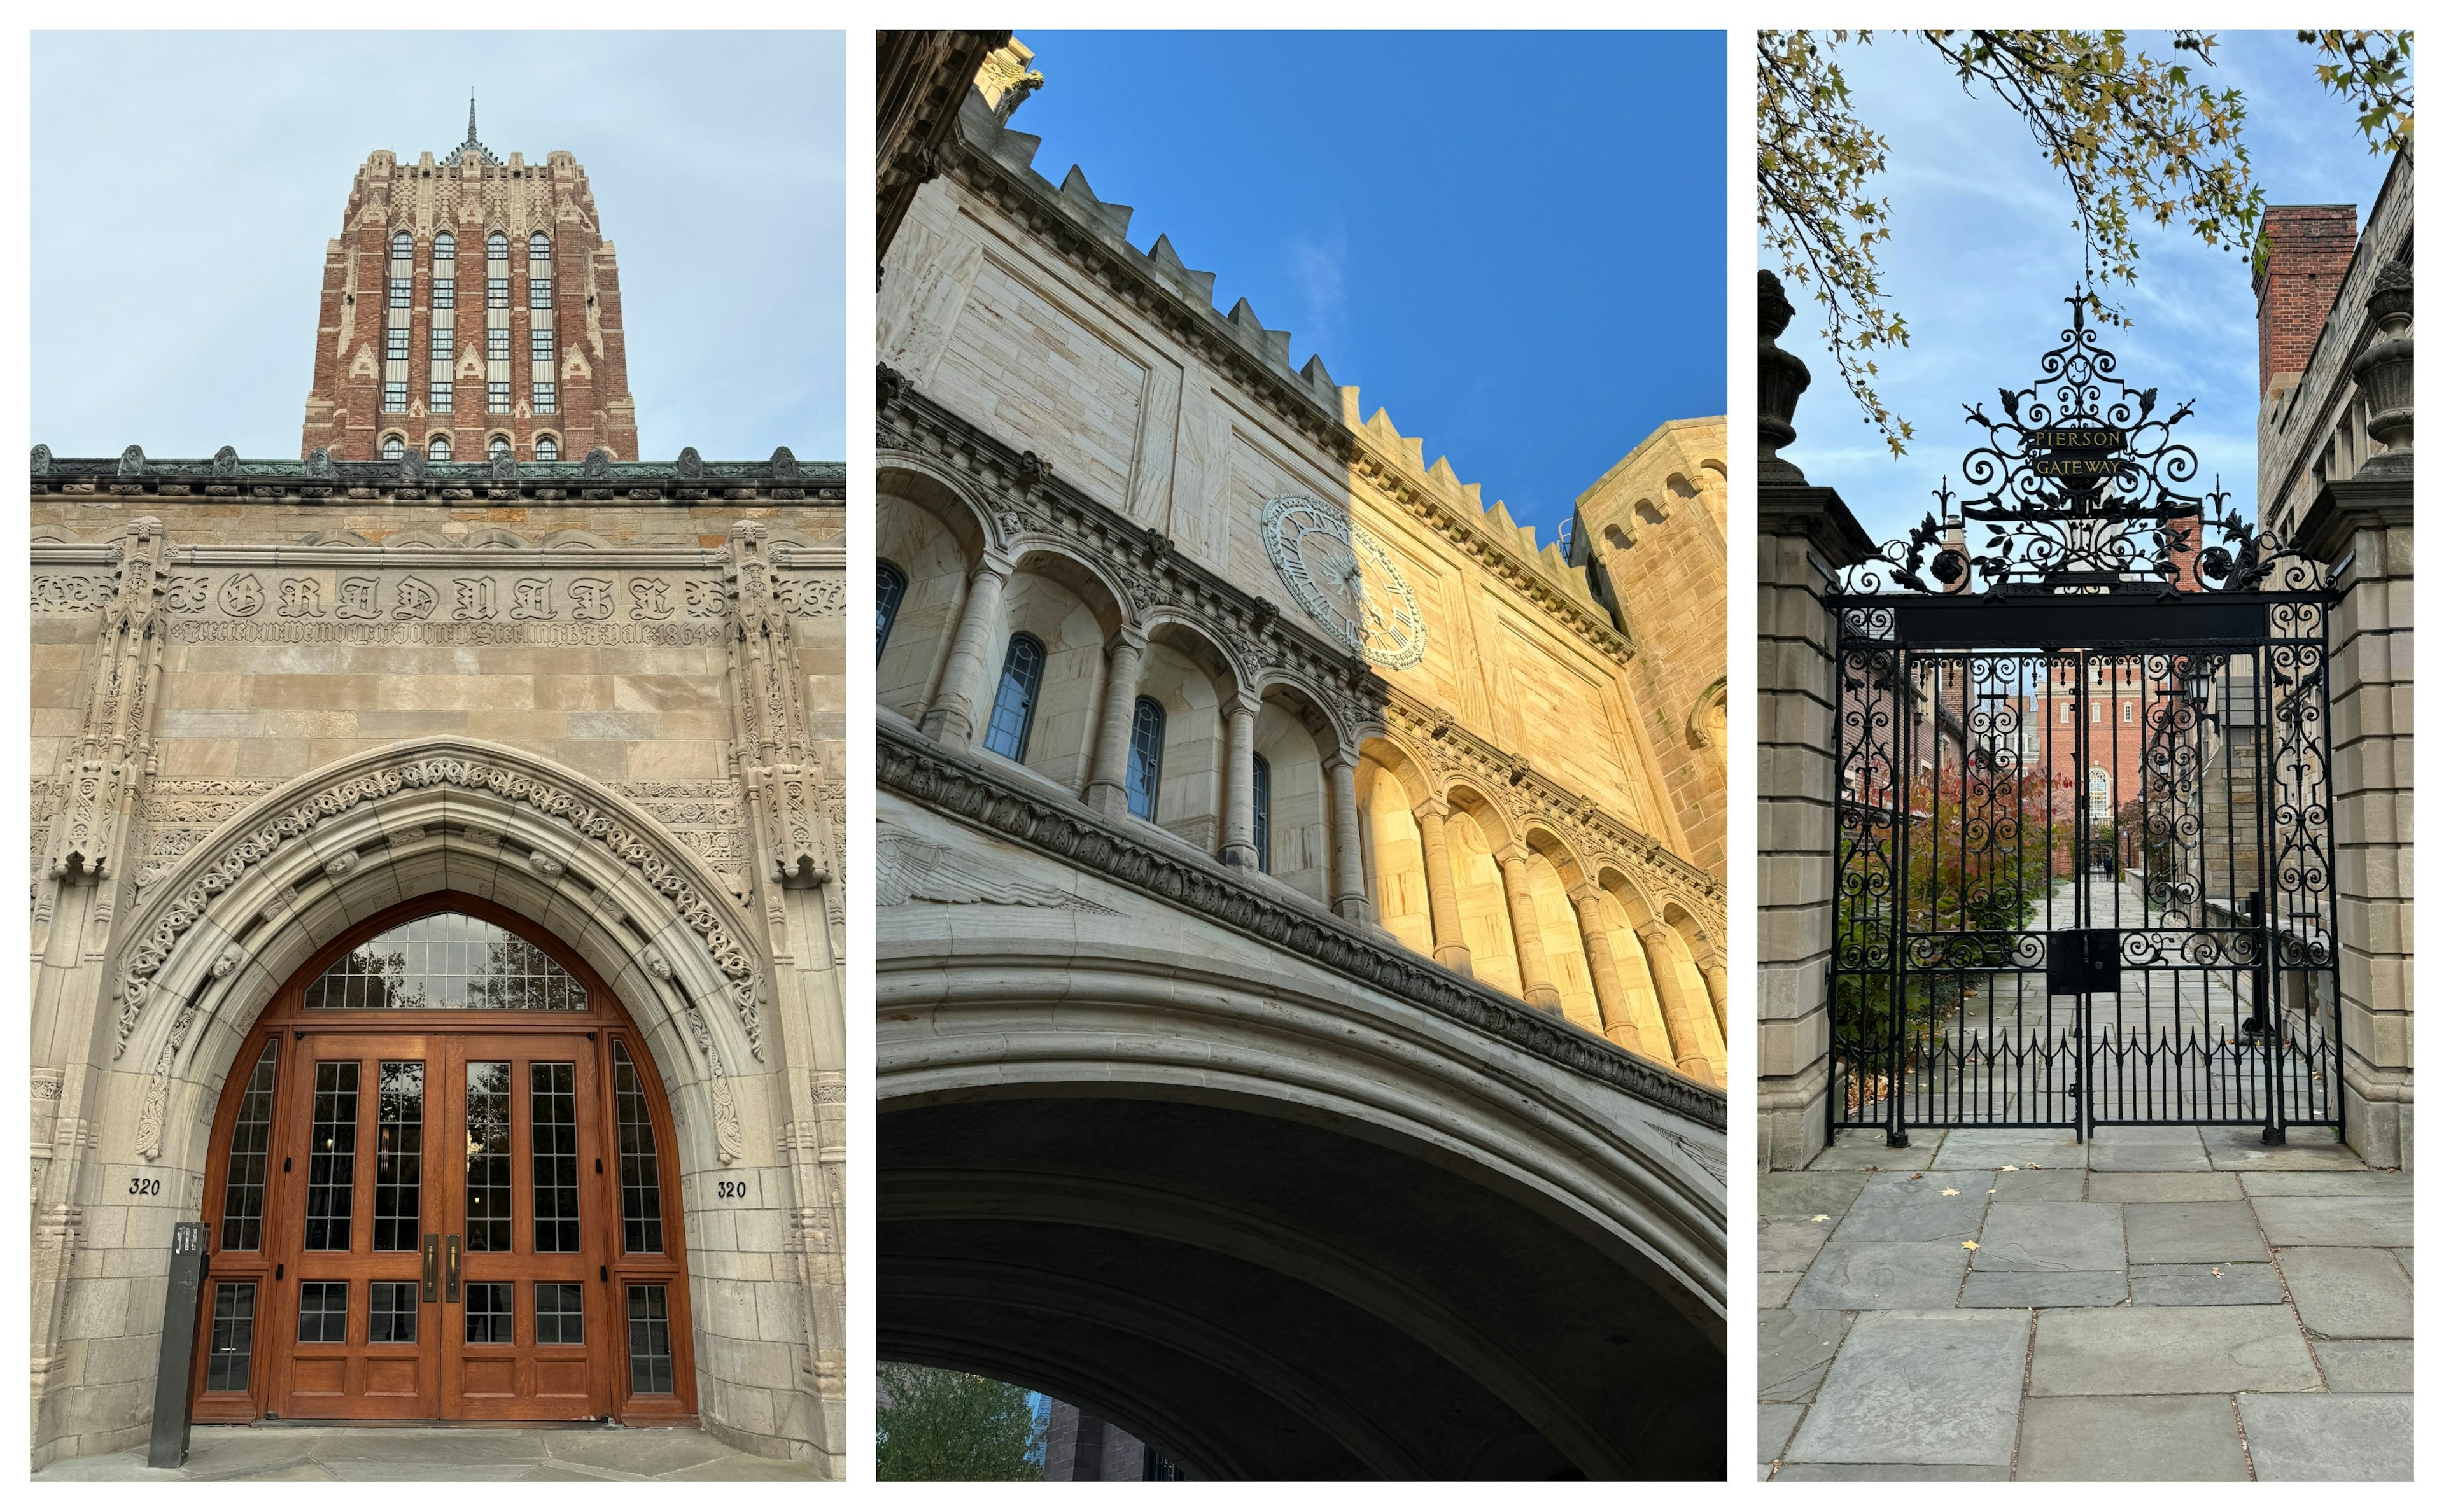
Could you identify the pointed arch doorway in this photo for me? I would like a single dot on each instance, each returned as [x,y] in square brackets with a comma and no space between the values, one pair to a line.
[442,1186]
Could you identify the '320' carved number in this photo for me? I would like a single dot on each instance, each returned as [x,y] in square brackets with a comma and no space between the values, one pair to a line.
[729,1189]
[144,1186]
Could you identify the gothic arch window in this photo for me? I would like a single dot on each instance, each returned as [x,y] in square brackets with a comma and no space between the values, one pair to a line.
[1013,711]
[497,449]
[437,450]
[446,963]
[1145,758]
[891,585]
[1264,815]
[393,447]
[547,448]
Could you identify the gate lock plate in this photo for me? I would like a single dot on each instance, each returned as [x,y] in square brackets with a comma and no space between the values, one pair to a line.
[2082,961]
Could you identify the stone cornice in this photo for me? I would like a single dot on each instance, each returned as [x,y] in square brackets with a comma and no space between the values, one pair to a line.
[687,480]
[967,790]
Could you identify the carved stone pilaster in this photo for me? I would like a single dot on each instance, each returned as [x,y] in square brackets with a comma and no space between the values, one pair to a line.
[102,784]
[774,749]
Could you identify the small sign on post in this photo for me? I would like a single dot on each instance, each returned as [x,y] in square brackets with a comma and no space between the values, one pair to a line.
[189,1263]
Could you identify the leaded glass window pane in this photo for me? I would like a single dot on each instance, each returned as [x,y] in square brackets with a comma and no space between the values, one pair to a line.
[551,1106]
[490,1319]
[231,1360]
[249,1159]
[891,585]
[560,1313]
[398,1155]
[322,1312]
[438,451]
[1145,758]
[1013,712]
[392,1315]
[447,963]
[648,1339]
[546,449]
[1263,815]
[640,1170]
[331,1162]
[488,1157]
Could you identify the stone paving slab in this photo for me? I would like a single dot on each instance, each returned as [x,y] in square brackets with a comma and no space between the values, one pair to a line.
[2040,1186]
[2167,1233]
[1939,1388]
[1865,1149]
[2027,1235]
[2349,1293]
[2238,1149]
[2046,1288]
[2147,1149]
[1789,1244]
[2328,1436]
[2364,1364]
[2326,1183]
[2169,1351]
[1775,1287]
[1794,1348]
[2233,1285]
[2012,1147]
[2329,1220]
[2403,1256]
[1774,1422]
[1894,1473]
[2130,1438]
[1806,1193]
[2163,1186]
[1896,1208]
[1861,1277]
[366,1454]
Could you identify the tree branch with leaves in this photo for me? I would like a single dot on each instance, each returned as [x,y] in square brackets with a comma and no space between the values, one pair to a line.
[2136,140]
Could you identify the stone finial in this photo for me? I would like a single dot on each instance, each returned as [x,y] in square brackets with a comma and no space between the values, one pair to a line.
[598,464]
[225,462]
[1006,81]
[131,462]
[40,463]
[689,465]
[2385,370]
[1781,379]
[785,463]
[317,463]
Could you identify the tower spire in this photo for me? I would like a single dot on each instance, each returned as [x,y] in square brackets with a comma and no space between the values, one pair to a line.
[470,114]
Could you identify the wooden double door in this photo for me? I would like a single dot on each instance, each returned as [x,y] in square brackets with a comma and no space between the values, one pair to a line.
[473,1218]
[447,1262]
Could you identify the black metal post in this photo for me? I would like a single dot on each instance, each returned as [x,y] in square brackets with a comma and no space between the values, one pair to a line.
[1904,740]
[189,1263]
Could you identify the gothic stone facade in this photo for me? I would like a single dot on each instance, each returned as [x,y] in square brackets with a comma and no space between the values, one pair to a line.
[272,698]
[468,302]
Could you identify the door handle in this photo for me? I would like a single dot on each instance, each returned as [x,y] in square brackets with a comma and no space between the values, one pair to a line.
[451,1271]
[432,1267]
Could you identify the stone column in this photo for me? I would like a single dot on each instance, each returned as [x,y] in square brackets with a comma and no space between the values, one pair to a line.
[1348,867]
[1442,889]
[1239,796]
[1687,1020]
[1612,1002]
[1535,980]
[962,702]
[2361,527]
[1804,536]
[1107,790]
[1719,990]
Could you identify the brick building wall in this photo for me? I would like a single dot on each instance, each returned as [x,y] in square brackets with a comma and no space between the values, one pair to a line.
[471,195]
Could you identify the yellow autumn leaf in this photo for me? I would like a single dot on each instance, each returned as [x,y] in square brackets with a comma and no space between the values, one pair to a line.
[1951,1191]
[1969,1243]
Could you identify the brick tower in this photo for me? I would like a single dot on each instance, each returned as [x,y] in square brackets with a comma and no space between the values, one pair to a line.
[475,302]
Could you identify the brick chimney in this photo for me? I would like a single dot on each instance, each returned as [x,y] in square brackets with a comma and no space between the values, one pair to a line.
[2307,251]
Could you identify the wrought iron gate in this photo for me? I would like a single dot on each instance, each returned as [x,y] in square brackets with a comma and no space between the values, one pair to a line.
[2084,856]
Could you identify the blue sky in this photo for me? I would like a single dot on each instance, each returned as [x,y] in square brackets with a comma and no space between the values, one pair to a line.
[1983,250]
[1513,241]
[717,161]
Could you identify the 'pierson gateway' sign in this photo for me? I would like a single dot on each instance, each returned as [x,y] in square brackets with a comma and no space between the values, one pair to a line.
[2084,452]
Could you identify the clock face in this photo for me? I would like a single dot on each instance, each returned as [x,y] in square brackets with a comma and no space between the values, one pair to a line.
[1345,580]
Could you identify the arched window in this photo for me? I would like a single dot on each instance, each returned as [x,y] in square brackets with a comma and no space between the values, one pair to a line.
[496,323]
[394,448]
[891,585]
[546,449]
[1013,711]
[537,247]
[1264,815]
[395,323]
[497,449]
[444,246]
[437,450]
[1145,758]
[446,961]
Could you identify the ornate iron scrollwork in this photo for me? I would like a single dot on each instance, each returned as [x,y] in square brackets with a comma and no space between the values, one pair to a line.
[2081,485]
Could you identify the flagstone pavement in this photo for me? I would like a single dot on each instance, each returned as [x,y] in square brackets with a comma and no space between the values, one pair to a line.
[2155,1304]
[276,1453]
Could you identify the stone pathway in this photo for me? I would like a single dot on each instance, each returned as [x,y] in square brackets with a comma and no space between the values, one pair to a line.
[278,1453]
[2158,1305]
